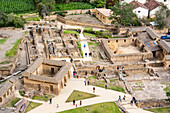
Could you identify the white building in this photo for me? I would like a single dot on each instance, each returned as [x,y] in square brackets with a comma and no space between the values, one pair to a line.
[139,9]
[153,6]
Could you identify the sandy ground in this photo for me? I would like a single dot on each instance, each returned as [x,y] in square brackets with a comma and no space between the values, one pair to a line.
[84,18]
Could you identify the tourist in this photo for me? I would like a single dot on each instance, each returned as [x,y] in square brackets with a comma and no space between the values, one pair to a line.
[124,97]
[80,102]
[65,84]
[88,83]
[134,99]
[74,74]
[117,67]
[93,89]
[74,101]
[85,82]
[86,54]
[84,45]
[71,60]
[105,86]
[50,100]
[131,102]
[119,98]
[122,67]
[57,106]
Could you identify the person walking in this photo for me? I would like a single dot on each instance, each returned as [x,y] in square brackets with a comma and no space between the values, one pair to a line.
[57,106]
[84,45]
[88,82]
[124,97]
[85,82]
[50,100]
[105,86]
[119,98]
[80,102]
[93,89]
[74,101]
[131,102]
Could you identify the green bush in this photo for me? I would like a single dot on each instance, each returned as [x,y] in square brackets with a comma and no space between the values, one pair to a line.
[72,6]
[8,6]
[61,13]
[32,19]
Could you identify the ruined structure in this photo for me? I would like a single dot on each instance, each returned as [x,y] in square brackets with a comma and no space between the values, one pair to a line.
[47,76]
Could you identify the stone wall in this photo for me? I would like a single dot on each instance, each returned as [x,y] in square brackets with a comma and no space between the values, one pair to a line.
[152,103]
[45,87]
[145,54]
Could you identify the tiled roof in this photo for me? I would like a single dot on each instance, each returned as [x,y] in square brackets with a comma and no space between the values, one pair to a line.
[4,87]
[136,4]
[152,4]
[105,12]
[165,45]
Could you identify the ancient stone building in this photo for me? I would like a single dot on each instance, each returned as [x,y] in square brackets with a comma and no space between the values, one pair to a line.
[47,76]
[7,90]
[165,45]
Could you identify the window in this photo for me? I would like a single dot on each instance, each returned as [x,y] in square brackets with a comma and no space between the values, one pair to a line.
[116,40]
[164,0]
[98,13]
[109,41]
[124,40]
[52,70]
[132,39]
[39,87]
[103,17]
[138,11]
[0,99]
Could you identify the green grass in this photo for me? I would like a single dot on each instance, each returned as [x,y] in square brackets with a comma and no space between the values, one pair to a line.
[32,19]
[12,102]
[160,110]
[31,106]
[45,98]
[5,62]
[21,93]
[167,89]
[79,95]
[89,34]
[2,41]
[93,43]
[12,52]
[70,32]
[101,83]
[8,6]
[79,46]
[108,107]
[72,6]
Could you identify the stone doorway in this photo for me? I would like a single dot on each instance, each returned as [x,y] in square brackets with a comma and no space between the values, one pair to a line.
[51,88]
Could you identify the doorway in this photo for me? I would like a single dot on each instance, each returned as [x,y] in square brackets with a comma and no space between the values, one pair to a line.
[52,70]
[51,88]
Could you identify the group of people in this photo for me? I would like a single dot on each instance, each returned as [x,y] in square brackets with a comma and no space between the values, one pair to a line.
[74,102]
[87,82]
[124,98]
[119,67]
[51,102]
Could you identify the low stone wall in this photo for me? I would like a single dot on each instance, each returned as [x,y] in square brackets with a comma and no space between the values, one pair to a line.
[152,103]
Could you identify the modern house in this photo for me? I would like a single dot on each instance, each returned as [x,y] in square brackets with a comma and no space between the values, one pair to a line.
[139,9]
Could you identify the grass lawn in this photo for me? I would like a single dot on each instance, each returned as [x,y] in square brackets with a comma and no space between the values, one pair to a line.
[79,95]
[160,110]
[92,43]
[88,34]
[79,46]
[101,83]
[107,107]
[70,32]
[32,19]
[31,106]
[12,52]
[12,102]
[45,98]
[2,41]
[5,62]
[21,93]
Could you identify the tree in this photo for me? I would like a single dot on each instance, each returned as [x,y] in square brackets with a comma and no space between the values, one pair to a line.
[99,3]
[123,14]
[160,17]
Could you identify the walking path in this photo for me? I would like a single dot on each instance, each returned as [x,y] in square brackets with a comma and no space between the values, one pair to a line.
[29,99]
[85,49]
[78,84]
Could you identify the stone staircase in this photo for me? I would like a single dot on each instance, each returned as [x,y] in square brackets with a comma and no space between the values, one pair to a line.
[126,107]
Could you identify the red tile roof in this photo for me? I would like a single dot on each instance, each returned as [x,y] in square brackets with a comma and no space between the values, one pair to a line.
[152,4]
[136,4]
